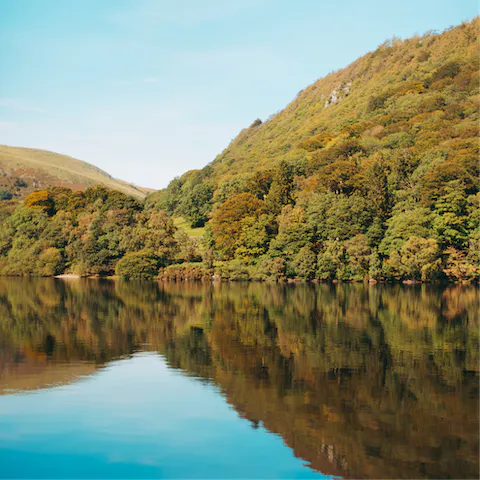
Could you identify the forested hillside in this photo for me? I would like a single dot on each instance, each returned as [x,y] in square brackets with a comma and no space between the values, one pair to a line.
[370,173]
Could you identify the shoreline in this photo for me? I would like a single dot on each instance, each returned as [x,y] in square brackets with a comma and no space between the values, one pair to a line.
[217,279]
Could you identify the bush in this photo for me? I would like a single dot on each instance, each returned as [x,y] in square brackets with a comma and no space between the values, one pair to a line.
[5,195]
[448,70]
[376,102]
[186,271]
[138,265]
[232,270]
[20,183]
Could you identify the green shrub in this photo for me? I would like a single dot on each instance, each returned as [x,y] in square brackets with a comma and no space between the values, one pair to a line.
[138,265]
[232,270]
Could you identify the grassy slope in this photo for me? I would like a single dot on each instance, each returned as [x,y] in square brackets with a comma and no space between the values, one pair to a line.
[182,224]
[41,168]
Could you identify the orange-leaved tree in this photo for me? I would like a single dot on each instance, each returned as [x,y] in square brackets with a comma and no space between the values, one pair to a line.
[40,199]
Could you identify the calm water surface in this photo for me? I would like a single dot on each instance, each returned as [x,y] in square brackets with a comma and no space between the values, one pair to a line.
[103,379]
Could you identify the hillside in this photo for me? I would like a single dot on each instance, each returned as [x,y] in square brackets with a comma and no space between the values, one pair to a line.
[381,100]
[388,91]
[376,157]
[23,170]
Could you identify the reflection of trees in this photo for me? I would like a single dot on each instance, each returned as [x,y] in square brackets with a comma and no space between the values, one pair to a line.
[360,381]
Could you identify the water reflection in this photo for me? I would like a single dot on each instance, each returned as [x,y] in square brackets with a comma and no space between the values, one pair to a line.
[359,381]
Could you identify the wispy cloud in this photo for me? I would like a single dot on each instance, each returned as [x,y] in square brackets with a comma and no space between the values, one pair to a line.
[18,105]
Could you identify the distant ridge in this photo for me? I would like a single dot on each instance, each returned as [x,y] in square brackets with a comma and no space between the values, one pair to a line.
[23,170]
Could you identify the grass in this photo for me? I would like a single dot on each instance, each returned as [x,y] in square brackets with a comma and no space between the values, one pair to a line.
[181,223]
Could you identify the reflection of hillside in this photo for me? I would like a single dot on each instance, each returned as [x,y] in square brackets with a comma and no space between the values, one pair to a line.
[361,428]
[358,381]
[32,376]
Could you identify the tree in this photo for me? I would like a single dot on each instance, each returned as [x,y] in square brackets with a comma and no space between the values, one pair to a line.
[228,189]
[447,70]
[338,216]
[196,204]
[450,218]
[61,197]
[172,197]
[458,266]
[271,268]
[357,250]
[280,193]
[376,183]
[227,221]
[417,259]
[41,200]
[316,142]
[435,181]
[97,192]
[188,249]
[473,213]
[294,232]
[473,252]
[331,261]
[259,185]
[50,262]
[155,232]
[254,238]
[340,177]
[403,225]
[375,270]
[116,200]
[303,264]
[25,225]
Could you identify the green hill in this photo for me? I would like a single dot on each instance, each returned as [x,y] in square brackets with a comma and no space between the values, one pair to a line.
[23,170]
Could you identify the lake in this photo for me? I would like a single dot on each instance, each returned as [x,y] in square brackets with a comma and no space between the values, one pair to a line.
[110,379]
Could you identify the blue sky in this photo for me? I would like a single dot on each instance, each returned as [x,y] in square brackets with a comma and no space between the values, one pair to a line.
[147,89]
